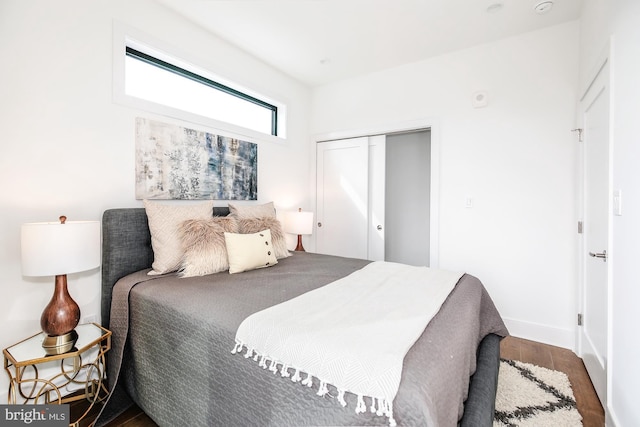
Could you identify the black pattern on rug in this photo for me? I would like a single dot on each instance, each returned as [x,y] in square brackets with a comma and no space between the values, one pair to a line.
[546,395]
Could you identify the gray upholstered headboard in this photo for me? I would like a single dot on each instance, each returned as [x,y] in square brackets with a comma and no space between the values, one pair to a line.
[126,248]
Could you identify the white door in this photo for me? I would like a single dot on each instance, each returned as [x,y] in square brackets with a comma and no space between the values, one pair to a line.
[593,335]
[342,197]
[377,197]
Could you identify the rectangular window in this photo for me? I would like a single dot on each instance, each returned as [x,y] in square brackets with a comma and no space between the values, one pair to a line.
[156,80]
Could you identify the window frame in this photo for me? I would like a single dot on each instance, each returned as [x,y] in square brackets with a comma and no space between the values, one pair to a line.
[167,66]
[128,38]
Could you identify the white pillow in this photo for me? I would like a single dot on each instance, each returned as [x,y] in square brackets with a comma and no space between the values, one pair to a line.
[252,211]
[249,251]
[164,224]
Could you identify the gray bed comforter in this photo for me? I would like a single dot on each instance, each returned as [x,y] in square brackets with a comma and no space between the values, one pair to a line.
[172,342]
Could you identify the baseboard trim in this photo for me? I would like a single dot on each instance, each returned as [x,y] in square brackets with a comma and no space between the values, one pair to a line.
[610,419]
[542,333]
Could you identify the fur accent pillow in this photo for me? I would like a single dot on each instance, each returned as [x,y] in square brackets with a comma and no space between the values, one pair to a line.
[252,211]
[164,222]
[205,250]
[249,251]
[253,225]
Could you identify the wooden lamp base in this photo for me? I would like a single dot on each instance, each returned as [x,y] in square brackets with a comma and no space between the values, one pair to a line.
[59,319]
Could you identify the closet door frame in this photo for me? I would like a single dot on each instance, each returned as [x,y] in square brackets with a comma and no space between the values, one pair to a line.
[431,124]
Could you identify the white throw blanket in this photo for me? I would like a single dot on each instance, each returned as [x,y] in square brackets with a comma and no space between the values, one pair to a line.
[352,334]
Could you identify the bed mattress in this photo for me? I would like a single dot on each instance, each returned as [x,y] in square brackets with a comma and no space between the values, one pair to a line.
[173,338]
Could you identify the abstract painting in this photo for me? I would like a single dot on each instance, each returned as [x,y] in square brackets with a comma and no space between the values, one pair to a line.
[175,162]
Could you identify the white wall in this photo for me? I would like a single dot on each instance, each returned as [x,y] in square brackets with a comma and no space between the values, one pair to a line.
[619,20]
[68,149]
[516,158]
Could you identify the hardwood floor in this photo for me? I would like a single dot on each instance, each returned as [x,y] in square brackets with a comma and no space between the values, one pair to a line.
[527,351]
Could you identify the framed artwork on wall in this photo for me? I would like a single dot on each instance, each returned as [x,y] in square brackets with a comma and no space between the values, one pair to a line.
[175,162]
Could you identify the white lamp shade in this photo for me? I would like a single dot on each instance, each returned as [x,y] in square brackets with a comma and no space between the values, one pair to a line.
[299,222]
[52,248]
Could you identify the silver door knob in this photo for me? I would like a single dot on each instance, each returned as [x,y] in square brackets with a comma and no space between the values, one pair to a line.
[319,224]
[602,255]
[379,227]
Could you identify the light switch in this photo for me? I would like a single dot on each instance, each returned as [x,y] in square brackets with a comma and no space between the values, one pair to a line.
[617,202]
[468,202]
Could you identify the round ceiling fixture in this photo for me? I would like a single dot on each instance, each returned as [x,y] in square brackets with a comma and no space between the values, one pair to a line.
[543,7]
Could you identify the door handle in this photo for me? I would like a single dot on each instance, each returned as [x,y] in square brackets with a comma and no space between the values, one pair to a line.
[602,255]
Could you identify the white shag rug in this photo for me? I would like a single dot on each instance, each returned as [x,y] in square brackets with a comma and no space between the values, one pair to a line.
[532,396]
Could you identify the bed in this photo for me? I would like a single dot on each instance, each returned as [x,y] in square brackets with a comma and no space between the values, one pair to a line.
[172,342]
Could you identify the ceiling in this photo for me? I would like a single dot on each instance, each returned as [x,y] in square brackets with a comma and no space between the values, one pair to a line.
[321,41]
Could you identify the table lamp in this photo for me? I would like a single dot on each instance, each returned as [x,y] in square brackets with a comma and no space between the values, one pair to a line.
[299,223]
[57,249]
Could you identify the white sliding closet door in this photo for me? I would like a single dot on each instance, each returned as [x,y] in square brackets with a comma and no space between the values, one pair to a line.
[374,197]
[377,197]
[343,197]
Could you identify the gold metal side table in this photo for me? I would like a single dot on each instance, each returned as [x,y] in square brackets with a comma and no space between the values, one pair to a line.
[38,378]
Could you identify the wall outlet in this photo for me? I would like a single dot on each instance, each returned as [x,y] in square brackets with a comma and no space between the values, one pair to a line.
[92,318]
